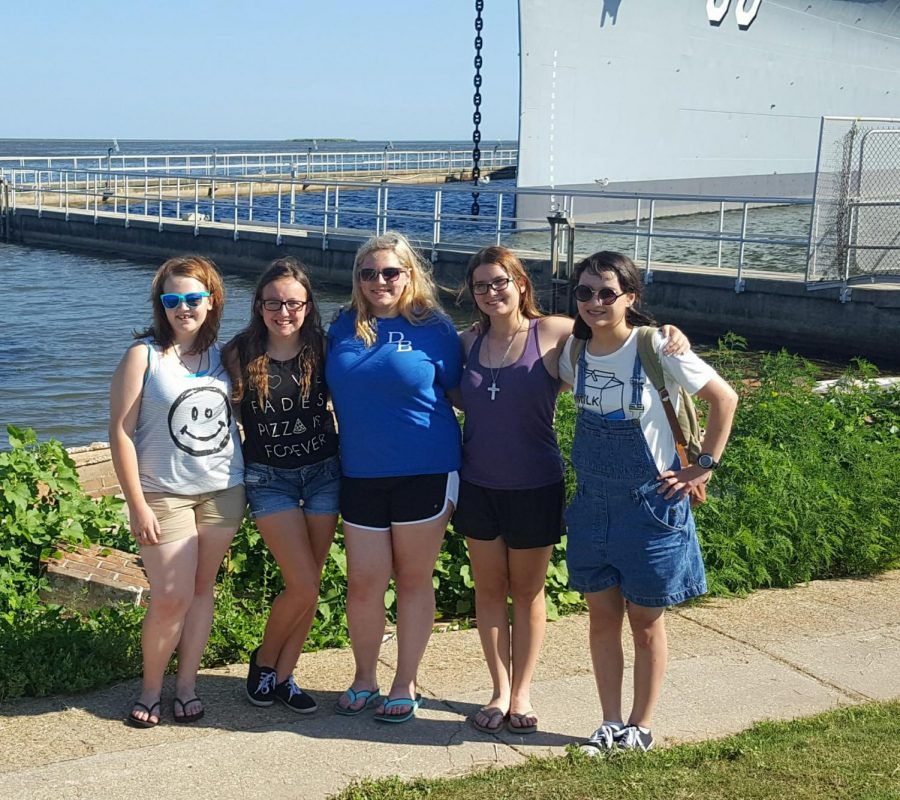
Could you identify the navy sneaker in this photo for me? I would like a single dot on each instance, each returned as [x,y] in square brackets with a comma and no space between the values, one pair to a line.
[294,697]
[632,737]
[260,683]
[603,739]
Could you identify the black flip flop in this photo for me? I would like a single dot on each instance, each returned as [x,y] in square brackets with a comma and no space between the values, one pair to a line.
[185,718]
[143,723]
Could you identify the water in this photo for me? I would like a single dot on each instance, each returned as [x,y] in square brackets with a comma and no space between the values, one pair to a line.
[67,317]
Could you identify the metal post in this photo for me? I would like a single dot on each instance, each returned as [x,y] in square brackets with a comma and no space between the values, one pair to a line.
[648,274]
[637,228]
[127,201]
[499,218]
[196,206]
[337,206]
[294,200]
[250,204]
[178,197]
[160,209]
[739,281]
[721,230]
[66,191]
[146,191]
[436,221]
[278,223]
[235,211]
[325,217]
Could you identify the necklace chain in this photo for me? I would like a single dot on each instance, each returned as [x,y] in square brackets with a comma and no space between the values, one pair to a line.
[495,373]
[186,367]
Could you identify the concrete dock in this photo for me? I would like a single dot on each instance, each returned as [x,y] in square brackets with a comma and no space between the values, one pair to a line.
[777,654]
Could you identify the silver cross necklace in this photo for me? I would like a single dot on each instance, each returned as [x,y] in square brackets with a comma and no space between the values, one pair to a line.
[493,388]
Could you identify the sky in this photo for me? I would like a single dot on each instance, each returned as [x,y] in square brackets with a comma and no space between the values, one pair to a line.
[266,69]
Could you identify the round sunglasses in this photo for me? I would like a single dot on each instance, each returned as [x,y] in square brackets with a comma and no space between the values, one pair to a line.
[172,300]
[605,296]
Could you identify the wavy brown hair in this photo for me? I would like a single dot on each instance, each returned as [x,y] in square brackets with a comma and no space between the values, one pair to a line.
[629,281]
[188,266]
[419,298]
[515,270]
[245,355]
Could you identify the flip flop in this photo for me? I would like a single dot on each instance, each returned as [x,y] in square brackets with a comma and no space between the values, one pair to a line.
[525,728]
[185,718]
[143,723]
[492,713]
[370,697]
[400,701]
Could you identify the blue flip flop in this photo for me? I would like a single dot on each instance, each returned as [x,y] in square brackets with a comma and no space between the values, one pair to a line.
[400,701]
[370,697]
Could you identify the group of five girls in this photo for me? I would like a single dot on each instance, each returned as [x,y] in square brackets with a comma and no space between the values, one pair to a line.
[393,366]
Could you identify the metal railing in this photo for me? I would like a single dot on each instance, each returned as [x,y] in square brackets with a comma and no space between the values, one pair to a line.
[298,164]
[430,215]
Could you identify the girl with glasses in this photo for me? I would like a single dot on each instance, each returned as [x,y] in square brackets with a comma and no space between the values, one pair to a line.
[632,545]
[512,492]
[392,358]
[177,457]
[292,472]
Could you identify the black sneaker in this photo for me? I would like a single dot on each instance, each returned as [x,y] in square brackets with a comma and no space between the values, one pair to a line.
[631,737]
[602,740]
[294,697]
[260,683]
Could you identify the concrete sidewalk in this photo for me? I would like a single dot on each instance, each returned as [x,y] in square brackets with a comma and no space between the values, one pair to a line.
[775,655]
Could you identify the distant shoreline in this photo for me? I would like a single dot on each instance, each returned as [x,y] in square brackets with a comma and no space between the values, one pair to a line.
[317,139]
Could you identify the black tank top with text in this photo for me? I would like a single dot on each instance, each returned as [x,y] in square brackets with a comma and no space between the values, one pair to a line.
[287,430]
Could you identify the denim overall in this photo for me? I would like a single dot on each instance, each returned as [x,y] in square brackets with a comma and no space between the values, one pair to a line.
[621,532]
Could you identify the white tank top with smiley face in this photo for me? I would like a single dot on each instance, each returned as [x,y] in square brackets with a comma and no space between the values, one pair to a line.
[186,438]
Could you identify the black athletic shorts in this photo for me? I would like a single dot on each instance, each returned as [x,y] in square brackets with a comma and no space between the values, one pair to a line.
[379,503]
[524,518]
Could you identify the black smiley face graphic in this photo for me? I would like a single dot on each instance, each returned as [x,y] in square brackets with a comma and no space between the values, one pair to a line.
[200,421]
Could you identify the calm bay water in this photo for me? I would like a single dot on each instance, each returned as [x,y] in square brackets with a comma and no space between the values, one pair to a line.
[67,317]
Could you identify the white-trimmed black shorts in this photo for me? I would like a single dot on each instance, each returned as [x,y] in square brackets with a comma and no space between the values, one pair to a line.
[378,503]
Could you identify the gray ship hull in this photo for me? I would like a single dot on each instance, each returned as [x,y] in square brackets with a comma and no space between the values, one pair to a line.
[657,96]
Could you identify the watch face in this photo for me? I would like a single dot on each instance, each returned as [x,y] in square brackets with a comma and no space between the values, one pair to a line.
[706,461]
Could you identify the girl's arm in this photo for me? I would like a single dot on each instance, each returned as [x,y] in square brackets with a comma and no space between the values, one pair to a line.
[722,400]
[677,343]
[124,407]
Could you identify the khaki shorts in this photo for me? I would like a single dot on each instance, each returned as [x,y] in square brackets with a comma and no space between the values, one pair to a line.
[180,515]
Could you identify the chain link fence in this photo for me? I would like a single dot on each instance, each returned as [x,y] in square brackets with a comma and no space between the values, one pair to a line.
[855,232]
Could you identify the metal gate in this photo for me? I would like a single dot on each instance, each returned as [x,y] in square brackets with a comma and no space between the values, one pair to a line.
[855,230]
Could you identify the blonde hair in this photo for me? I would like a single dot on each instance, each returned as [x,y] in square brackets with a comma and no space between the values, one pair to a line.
[418,300]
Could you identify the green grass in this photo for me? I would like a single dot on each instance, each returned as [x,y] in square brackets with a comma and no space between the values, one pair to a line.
[853,752]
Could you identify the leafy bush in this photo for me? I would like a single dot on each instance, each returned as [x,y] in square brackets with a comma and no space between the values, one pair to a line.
[807,489]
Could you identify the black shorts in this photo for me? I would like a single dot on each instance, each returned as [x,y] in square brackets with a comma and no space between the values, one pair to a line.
[379,503]
[525,518]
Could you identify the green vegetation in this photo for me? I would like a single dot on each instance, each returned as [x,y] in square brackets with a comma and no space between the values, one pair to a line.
[848,753]
[807,490]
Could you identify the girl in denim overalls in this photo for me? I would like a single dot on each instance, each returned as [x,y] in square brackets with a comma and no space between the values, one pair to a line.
[632,546]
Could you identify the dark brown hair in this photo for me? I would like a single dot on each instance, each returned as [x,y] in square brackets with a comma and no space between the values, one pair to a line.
[629,281]
[513,267]
[188,266]
[245,355]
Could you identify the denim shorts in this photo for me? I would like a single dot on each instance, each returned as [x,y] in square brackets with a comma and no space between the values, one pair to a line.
[315,488]
[636,540]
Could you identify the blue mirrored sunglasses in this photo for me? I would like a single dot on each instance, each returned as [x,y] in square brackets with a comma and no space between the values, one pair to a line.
[192,299]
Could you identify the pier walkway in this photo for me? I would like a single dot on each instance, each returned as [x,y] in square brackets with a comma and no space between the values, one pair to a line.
[778,654]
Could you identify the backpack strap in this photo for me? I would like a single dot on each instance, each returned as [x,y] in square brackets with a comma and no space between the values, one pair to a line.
[646,346]
[575,352]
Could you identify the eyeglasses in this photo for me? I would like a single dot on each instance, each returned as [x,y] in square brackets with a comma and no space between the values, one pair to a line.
[276,305]
[498,285]
[606,296]
[192,299]
[390,274]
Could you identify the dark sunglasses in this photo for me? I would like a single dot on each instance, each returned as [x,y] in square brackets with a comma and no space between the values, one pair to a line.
[498,285]
[390,274]
[606,296]
[192,299]
[276,305]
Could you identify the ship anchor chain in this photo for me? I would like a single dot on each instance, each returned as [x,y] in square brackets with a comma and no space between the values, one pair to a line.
[476,116]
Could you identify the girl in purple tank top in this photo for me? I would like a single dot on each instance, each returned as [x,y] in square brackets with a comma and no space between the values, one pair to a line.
[512,493]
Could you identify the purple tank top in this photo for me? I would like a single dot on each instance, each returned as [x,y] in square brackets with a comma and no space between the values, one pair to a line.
[509,442]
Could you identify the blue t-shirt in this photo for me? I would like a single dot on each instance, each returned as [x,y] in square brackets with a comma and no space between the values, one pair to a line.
[393,415]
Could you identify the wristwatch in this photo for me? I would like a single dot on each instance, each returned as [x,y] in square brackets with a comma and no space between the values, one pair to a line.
[706,461]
